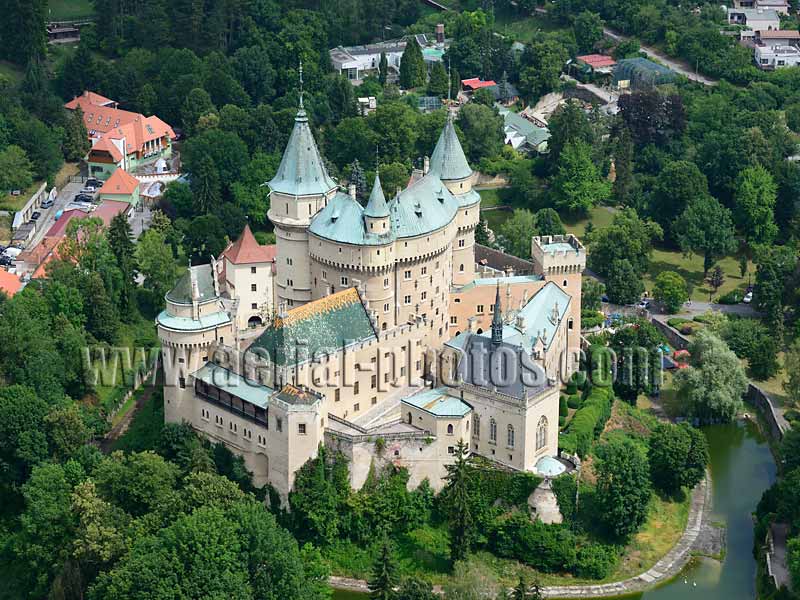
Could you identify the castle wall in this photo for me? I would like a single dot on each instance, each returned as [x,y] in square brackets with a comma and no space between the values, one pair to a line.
[239,280]
[464,303]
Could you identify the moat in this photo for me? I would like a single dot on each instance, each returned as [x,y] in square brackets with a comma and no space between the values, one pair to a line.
[742,467]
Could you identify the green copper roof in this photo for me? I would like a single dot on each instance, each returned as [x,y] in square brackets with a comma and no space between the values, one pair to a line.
[448,160]
[342,221]
[188,324]
[234,384]
[376,206]
[182,292]
[424,206]
[323,326]
[438,403]
[301,172]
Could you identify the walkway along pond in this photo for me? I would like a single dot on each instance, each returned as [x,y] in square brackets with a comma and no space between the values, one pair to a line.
[742,467]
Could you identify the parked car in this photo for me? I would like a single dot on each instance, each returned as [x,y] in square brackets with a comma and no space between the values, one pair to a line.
[644,304]
[16,192]
[83,198]
[748,298]
[35,216]
[93,182]
[47,203]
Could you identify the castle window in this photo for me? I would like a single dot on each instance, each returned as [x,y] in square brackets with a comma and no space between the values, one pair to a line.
[461,243]
[288,261]
[182,382]
[252,270]
[344,281]
[450,429]
[476,426]
[424,296]
[383,326]
[424,270]
[301,428]
[479,309]
[407,275]
[406,300]
[289,282]
[254,305]
[386,307]
[569,324]
[253,287]
[356,407]
[374,400]
[541,433]
[492,430]
[355,388]
[510,439]
[324,276]
[460,268]
[337,395]
[565,283]
[453,320]
[450,450]
[373,382]
[278,424]
[386,282]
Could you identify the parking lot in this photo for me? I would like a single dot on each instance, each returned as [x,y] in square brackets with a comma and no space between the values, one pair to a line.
[45,222]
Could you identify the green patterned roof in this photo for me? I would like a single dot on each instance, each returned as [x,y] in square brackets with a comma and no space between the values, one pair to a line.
[424,206]
[342,221]
[323,326]
[376,205]
[301,172]
[182,292]
[448,160]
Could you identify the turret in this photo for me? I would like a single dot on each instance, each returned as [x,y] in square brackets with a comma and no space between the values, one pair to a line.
[376,213]
[300,188]
[448,161]
[497,320]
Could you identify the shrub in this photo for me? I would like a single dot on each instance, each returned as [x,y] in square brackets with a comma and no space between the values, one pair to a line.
[676,322]
[572,387]
[548,548]
[563,409]
[591,319]
[574,401]
[562,420]
[689,328]
[732,297]
[595,561]
[588,421]
[564,488]
[792,415]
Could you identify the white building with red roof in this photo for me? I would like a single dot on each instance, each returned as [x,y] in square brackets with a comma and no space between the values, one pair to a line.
[120,138]
[246,272]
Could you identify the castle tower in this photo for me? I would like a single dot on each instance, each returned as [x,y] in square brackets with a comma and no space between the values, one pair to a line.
[376,213]
[449,164]
[300,188]
[562,260]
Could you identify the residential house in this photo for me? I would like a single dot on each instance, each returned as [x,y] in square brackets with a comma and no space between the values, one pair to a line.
[772,38]
[120,138]
[522,134]
[121,186]
[754,19]
[9,283]
[769,58]
[592,67]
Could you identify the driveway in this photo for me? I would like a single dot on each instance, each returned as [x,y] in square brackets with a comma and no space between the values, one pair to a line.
[65,195]
[676,65]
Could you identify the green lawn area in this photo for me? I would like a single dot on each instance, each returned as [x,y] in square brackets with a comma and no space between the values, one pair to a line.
[5,229]
[522,29]
[145,429]
[600,216]
[67,10]
[691,269]
[493,197]
[14,203]
[12,71]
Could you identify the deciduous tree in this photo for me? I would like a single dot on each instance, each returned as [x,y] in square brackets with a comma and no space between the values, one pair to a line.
[623,486]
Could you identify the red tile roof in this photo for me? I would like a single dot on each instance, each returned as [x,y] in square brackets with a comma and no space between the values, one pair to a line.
[9,283]
[247,250]
[782,34]
[475,83]
[115,123]
[597,61]
[109,209]
[106,145]
[92,98]
[120,182]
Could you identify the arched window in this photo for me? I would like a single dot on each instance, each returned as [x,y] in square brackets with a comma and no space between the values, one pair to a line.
[450,429]
[510,436]
[541,433]
[461,268]
[476,426]
[492,430]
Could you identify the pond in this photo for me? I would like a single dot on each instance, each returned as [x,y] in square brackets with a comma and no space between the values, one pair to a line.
[742,467]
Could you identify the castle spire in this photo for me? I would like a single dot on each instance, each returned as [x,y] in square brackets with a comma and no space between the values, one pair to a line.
[497,320]
[301,85]
[377,206]
[448,161]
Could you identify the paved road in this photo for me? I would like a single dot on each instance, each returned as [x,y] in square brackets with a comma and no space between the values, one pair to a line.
[65,195]
[676,65]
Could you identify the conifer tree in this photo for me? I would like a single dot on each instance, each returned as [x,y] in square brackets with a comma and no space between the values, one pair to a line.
[76,139]
[458,503]
[437,85]
[412,66]
[383,69]
[384,574]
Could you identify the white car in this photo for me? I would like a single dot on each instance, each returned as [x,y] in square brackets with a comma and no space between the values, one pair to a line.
[748,298]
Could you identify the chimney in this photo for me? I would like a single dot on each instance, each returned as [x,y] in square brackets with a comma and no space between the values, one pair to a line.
[426,165]
[440,33]
[352,190]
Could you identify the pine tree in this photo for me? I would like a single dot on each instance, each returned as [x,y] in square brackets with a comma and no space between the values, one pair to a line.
[120,239]
[459,506]
[76,139]
[384,574]
[437,85]
[412,66]
[383,69]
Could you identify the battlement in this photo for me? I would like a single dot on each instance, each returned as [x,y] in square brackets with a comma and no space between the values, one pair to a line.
[557,254]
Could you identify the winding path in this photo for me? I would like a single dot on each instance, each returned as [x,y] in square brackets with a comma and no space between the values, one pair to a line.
[665,569]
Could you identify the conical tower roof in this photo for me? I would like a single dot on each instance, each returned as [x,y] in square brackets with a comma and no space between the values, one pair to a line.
[448,160]
[377,207]
[301,172]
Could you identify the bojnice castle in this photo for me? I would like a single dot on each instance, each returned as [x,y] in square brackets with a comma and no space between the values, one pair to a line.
[375,330]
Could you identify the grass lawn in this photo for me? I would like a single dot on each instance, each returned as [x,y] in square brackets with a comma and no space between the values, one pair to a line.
[600,216]
[67,10]
[691,269]
[493,197]
[5,229]
[523,29]
[144,431]
[12,71]
[15,203]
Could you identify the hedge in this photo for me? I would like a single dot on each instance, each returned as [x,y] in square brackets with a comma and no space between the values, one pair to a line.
[732,297]
[563,409]
[588,421]
[676,322]
[574,401]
